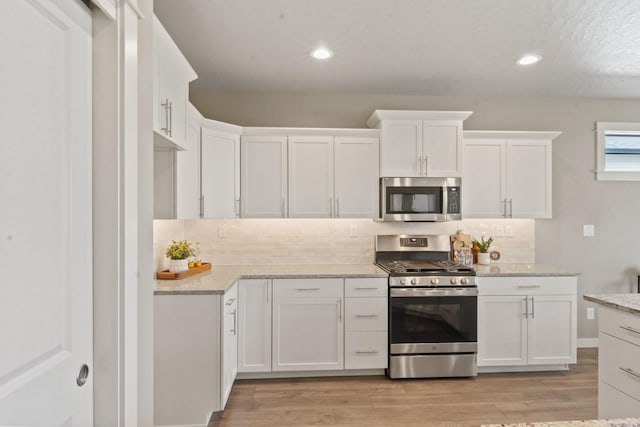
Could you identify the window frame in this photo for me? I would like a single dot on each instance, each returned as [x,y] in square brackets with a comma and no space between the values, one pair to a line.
[610,175]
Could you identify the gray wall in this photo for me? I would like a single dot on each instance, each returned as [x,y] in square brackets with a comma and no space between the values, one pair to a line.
[609,262]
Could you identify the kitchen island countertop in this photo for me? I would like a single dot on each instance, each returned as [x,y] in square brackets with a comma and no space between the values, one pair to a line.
[623,302]
[626,422]
[221,277]
[520,269]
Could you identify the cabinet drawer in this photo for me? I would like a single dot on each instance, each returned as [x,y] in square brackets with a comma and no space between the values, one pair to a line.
[527,285]
[297,288]
[619,364]
[613,403]
[366,287]
[623,325]
[365,350]
[366,314]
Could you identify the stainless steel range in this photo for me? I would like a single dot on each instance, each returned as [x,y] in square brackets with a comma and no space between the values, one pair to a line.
[432,308]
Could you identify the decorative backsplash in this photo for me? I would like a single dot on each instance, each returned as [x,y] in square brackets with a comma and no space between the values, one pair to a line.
[324,241]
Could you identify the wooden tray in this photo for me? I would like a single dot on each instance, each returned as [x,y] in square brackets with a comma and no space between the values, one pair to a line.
[167,275]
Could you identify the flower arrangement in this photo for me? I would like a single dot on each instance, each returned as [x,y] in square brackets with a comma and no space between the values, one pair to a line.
[181,250]
[483,245]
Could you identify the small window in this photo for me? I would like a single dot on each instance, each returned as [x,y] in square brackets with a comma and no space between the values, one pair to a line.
[618,154]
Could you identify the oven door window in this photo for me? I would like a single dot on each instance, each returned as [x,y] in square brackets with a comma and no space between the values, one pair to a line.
[409,200]
[433,319]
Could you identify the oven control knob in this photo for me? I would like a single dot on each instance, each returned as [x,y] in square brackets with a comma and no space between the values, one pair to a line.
[454,280]
[403,281]
[464,281]
[435,281]
[414,281]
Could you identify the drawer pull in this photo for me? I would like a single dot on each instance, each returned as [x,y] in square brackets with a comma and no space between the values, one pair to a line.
[231,300]
[371,288]
[631,372]
[528,286]
[630,329]
[366,351]
[366,316]
[307,289]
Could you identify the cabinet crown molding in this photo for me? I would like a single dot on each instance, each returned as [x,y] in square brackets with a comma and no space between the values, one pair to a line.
[286,131]
[509,134]
[380,115]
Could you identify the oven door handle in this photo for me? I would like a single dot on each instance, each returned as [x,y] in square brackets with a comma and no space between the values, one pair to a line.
[431,292]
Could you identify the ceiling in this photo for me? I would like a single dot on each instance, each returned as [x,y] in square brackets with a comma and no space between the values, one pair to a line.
[590,48]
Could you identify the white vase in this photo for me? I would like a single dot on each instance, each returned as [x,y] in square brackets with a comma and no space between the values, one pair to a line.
[178,265]
[483,258]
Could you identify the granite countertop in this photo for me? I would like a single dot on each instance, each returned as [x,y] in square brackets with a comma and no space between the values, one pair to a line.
[509,269]
[626,422]
[623,302]
[221,277]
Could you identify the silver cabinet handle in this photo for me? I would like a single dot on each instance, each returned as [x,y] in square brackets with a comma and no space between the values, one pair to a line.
[528,286]
[235,321]
[630,372]
[370,288]
[426,165]
[533,308]
[340,310]
[307,289]
[366,351]
[630,329]
[366,316]
[201,206]
[236,208]
[337,207]
[419,165]
[170,123]
[510,208]
[504,208]
[165,105]
[231,300]
[526,307]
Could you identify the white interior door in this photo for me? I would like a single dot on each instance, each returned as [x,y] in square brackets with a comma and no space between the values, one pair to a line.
[45,212]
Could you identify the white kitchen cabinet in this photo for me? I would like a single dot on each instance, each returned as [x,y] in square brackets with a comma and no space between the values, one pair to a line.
[366,326]
[254,325]
[527,321]
[310,171]
[172,74]
[356,171]
[194,356]
[220,165]
[507,174]
[420,143]
[263,176]
[164,184]
[308,329]
[618,364]
[229,342]
[188,169]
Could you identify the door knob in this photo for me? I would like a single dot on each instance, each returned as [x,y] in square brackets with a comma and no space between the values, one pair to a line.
[82,376]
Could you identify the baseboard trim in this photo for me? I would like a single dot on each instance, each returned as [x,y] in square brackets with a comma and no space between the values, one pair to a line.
[587,342]
[303,374]
[525,368]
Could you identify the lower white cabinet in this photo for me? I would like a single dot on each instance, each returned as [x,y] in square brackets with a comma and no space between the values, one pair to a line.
[195,356]
[527,321]
[254,325]
[308,331]
[618,364]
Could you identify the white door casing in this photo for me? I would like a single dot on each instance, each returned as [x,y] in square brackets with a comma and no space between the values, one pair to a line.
[45,207]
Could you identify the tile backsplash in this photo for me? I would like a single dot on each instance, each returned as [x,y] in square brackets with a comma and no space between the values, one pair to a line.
[324,241]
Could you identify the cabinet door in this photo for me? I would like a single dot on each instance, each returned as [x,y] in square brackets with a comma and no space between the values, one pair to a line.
[308,334]
[188,172]
[401,148]
[311,177]
[552,329]
[483,182]
[502,331]
[442,148]
[164,184]
[356,171]
[220,174]
[229,343]
[529,178]
[264,177]
[254,325]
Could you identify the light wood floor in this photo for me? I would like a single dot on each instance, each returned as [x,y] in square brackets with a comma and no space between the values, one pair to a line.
[378,401]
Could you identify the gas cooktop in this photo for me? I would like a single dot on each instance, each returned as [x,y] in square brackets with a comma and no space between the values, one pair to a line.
[422,267]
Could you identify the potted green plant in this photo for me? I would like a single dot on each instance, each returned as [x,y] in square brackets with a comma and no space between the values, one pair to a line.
[483,249]
[179,254]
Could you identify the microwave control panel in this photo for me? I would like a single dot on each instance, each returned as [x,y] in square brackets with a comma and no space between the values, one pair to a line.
[453,200]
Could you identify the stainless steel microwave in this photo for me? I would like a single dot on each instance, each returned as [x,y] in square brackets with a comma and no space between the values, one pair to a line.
[420,199]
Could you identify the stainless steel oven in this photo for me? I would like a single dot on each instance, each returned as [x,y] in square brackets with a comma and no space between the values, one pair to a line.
[432,308]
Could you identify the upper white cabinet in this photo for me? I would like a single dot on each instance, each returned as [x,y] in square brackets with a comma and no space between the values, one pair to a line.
[188,168]
[172,74]
[420,143]
[263,183]
[220,165]
[309,173]
[507,174]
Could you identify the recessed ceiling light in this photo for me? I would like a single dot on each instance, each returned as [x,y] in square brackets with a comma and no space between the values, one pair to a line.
[528,59]
[322,53]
